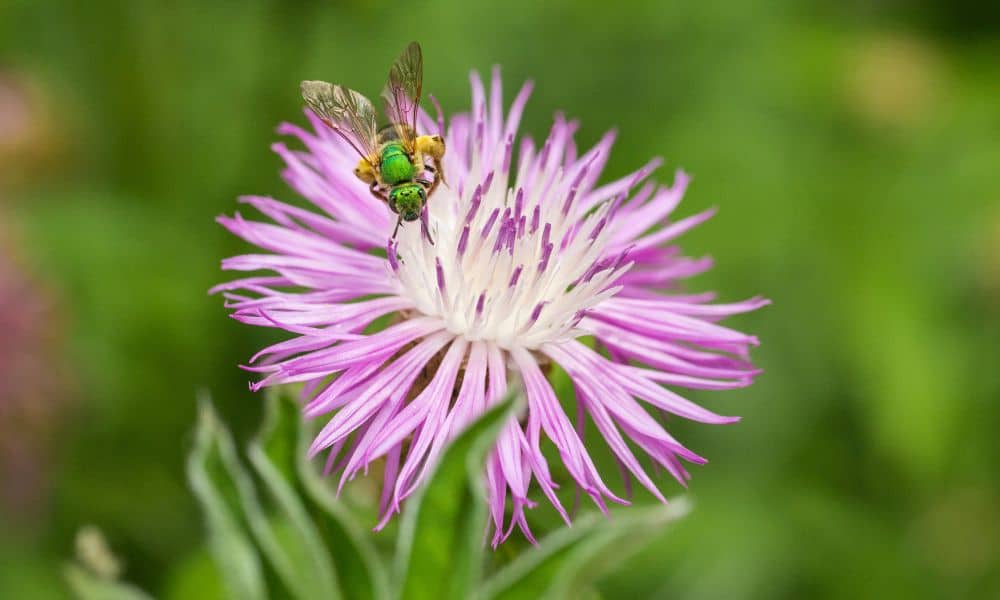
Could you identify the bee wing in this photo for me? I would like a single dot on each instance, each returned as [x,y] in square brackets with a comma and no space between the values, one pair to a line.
[401,94]
[347,112]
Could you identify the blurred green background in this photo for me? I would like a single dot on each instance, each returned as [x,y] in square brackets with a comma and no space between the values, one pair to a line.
[854,151]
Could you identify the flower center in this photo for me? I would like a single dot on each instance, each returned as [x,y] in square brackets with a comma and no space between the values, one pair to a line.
[515,266]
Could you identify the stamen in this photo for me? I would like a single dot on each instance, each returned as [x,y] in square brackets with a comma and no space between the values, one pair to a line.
[440,274]
[489,222]
[537,311]
[544,263]
[575,186]
[390,253]
[515,276]
[477,198]
[501,237]
[597,228]
[463,241]
[507,152]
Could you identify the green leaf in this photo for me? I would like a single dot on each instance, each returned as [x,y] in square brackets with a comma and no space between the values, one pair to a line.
[356,564]
[272,455]
[440,546]
[219,497]
[196,575]
[87,586]
[271,534]
[566,562]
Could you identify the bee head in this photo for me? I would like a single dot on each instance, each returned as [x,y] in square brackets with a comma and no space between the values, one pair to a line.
[407,201]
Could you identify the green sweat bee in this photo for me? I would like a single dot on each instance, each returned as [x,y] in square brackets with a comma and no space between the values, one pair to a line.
[393,157]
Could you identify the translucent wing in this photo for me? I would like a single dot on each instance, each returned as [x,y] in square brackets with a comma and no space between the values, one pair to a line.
[347,112]
[402,92]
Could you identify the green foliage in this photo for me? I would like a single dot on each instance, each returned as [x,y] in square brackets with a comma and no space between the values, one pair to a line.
[310,542]
[87,586]
[573,558]
[219,483]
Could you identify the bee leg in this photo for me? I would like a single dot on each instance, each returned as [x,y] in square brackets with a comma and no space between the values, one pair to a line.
[430,186]
[439,174]
[437,180]
[399,222]
[424,226]
[373,188]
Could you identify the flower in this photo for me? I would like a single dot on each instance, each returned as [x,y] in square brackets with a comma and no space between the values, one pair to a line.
[514,264]
[33,384]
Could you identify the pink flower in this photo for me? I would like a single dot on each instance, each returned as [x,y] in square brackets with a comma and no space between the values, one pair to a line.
[34,387]
[527,259]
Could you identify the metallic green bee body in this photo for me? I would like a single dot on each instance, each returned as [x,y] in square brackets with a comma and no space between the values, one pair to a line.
[394,159]
[407,200]
[395,164]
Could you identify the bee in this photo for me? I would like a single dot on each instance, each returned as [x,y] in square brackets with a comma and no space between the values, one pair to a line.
[393,158]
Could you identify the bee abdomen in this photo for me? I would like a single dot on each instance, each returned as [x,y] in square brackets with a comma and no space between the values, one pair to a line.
[396,166]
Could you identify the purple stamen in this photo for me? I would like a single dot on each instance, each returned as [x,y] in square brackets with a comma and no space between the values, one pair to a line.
[569,201]
[515,276]
[622,257]
[390,253]
[488,182]
[463,241]
[508,150]
[544,263]
[480,303]
[425,226]
[537,311]
[645,171]
[567,237]
[501,236]
[440,274]
[536,216]
[519,203]
[544,156]
[480,123]
[575,186]
[489,222]
[598,228]
[521,223]
[477,198]
[615,203]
